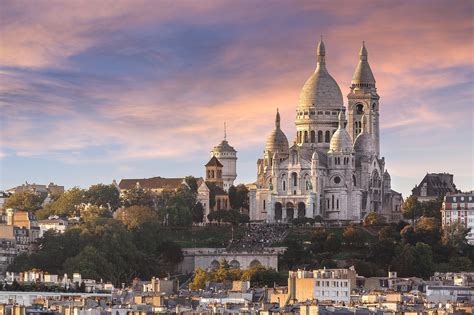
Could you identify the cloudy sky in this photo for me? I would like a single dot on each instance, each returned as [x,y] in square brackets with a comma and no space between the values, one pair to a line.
[92,91]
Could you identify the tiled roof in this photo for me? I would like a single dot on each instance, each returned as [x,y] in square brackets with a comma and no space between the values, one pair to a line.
[152,183]
[216,189]
[214,162]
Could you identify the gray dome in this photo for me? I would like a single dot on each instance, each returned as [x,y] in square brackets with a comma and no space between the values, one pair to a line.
[386,175]
[224,146]
[363,74]
[364,144]
[277,140]
[321,90]
[341,142]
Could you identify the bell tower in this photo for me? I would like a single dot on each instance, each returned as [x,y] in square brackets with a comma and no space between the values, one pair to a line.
[363,101]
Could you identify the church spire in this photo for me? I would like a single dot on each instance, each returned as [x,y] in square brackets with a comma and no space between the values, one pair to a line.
[277,120]
[363,77]
[225,131]
[321,52]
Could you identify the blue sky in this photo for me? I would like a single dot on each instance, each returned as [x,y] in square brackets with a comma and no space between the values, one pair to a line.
[92,91]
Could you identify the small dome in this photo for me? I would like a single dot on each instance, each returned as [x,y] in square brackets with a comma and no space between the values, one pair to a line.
[277,140]
[341,142]
[363,74]
[321,90]
[315,156]
[386,175]
[364,144]
[224,146]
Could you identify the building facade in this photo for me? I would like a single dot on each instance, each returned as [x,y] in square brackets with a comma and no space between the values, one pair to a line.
[227,156]
[459,209]
[433,186]
[333,167]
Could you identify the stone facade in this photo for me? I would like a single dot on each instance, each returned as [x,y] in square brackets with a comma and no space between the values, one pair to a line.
[210,258]
[333,168]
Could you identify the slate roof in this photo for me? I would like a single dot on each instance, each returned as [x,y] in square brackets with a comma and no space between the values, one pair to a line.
[437,184]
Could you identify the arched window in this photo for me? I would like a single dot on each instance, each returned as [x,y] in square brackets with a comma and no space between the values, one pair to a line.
[294,176]
[313,136]
[358,128]
[320,136]
[264,205]
[212,174]
[332,203]
[327,136]
[284,185]
[306,136]
[360,109]
[337,204]
[354,180]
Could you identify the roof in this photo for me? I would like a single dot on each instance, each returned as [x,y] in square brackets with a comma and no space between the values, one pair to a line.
[277,140]
[363,74]
[152,183]
[321,90]
[216,190]
[437,184]
[214,162]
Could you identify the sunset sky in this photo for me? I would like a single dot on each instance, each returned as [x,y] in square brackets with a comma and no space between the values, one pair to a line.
[92,91]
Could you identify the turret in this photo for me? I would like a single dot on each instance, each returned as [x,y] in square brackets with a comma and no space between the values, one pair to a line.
[363,101]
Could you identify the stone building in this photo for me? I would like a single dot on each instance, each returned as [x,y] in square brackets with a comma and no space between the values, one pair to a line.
[213,187]
[155,184]
[227,156]
[333,167]
[434,185]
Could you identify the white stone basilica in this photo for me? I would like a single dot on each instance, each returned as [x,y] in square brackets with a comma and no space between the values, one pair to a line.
[333,169]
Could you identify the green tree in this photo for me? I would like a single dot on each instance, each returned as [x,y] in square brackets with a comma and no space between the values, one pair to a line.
[374,218]
[354,237]
[428,230]
[93,212]
[24,200]
[138,196]
[424,260]
[238,197]
[135,216]
[387,233]
[103,196]
[192,183]
[404,260]
[90,263]
[432,208]
[408,235]
[412,208]
[454,235]
[69,203]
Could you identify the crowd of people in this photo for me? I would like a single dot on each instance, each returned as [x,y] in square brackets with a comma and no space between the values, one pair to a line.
[259,236]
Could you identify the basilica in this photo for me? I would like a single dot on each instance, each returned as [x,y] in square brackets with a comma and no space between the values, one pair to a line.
[333,168]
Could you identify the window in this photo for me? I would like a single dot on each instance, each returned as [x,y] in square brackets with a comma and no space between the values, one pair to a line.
[306,136]
[264,205]
[327,136]
[337,180]
[320,136]
[332,203]
[360,109]
[313,136]
[295,179]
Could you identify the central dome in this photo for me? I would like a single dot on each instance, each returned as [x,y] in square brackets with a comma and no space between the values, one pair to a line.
[321,90]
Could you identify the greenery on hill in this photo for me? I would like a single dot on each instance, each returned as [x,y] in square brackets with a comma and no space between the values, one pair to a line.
[375,247]
[258,276]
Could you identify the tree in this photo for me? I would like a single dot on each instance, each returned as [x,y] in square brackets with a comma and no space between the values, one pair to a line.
[198,213]
[138,196]
[93,212]
[454,235]
[90,263]
[409,235]
[192,183]
[412,208]
[24,200]
[387,233]
[354,237]
[424,260]
[69,203]
[374,218]
[135,216]
[432,208]
[428,230]
[199,280]
[404,260]
[238,197]
[294,255]
[103,196]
